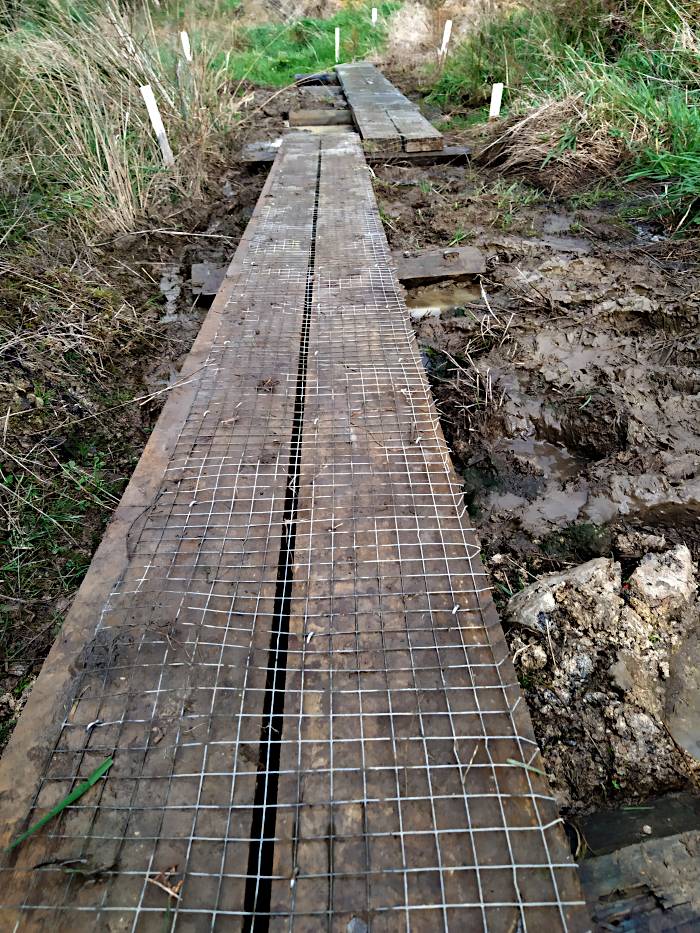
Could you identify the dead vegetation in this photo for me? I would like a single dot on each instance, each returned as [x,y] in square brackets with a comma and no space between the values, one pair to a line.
[76,144]
[594,89]
[463,381]
[72,349]
[546,148]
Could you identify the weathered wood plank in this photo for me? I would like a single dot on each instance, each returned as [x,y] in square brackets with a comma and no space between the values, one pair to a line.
[418,135]
[649,887]
[259,154]
[396,664]
[385,118]
[412,268]
[320,117]
[432,265]
[456,155]
[161,662]
[286,641]
[328,95]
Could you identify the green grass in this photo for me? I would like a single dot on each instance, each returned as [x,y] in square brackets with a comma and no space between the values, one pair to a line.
[272,54]
[634,74]
[54,521]
[47,528]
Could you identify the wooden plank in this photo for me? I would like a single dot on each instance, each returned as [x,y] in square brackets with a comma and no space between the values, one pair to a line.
[390,632]
[385,118]
[365,90]
[320,117]
[455,155]
[258,154]
[651,886]
[418,135]
[291,570]
[329,95]
[161,662]
[431,265]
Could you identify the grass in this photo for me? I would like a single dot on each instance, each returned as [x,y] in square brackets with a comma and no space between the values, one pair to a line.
[76,144]
[70,798]
[508,199]
[36,533]
[272,54]
[630,71]
[70,347]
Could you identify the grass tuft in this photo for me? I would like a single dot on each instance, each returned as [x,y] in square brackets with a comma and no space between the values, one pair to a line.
[76,144]
[593,88]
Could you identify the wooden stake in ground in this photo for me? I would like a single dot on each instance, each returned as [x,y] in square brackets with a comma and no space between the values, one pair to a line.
[374,16]
[446,38]
[496,98]
[186,48]
[157,124]
[337,44]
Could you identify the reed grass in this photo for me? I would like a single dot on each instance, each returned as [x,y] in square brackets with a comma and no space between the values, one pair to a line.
[76,144]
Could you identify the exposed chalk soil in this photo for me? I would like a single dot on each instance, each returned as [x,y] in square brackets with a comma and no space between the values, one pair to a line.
[602,662]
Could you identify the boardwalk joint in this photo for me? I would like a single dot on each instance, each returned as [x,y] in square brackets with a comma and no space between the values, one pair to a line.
[262,845]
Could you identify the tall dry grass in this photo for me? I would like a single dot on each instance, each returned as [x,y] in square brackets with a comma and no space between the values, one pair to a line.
[76,144]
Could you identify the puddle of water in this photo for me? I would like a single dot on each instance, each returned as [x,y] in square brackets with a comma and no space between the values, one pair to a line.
[557,223]
[556,507]
[646,498]
[550,460]
[683,696]
[552,495]
[434,300]
[566,244]
[649,233]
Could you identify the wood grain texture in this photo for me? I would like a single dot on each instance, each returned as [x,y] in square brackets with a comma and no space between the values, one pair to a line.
[386,120]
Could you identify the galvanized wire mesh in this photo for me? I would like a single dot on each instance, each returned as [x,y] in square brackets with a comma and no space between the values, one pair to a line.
[300,676]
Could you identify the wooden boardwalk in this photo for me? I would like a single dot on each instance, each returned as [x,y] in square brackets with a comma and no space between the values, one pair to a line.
[385,119]
[286,640]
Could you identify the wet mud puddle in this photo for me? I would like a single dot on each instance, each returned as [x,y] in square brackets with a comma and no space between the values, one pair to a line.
[436,300]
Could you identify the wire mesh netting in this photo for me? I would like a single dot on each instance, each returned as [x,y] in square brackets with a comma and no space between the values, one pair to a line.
[299,672]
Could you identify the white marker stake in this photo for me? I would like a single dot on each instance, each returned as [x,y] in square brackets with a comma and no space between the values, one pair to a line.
[446,38]
[186,48]
[157,124]
[337,44]
[374,16]
[496,98]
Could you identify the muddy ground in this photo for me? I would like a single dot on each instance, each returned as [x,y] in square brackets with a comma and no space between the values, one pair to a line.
[568,385]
